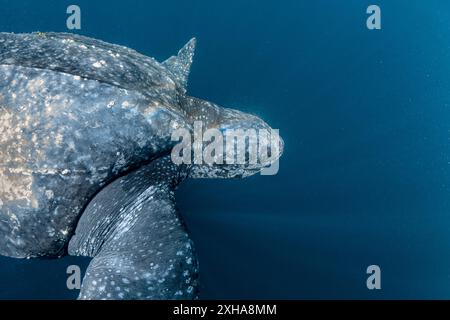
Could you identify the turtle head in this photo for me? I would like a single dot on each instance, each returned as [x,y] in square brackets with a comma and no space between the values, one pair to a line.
[226,143]
[220,142]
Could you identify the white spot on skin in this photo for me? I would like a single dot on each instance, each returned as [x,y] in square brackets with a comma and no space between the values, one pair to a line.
[35,85]
[99,64]
[58,139]
[49,194]
[16,185]
[51,231]
[14,220]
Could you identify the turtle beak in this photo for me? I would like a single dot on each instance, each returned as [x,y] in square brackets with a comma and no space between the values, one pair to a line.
[268,144]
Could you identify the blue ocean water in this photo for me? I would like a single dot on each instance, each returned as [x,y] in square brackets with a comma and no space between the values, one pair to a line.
[365,176]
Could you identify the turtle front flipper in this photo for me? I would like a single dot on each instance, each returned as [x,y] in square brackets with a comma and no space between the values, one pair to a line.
[139,245]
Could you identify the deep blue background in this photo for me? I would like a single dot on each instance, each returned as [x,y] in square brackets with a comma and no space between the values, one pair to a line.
[366,120]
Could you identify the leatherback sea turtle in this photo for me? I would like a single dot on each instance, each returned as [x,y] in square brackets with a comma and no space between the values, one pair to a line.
[85,166]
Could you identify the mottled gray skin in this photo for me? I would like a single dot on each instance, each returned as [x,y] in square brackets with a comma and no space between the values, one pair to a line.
[140,247]
[85,130]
